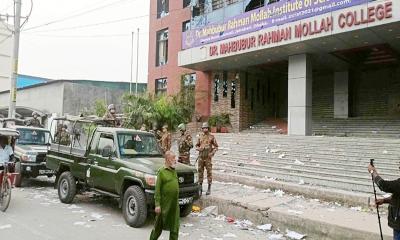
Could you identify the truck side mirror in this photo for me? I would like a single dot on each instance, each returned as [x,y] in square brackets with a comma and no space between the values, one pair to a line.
[106,152]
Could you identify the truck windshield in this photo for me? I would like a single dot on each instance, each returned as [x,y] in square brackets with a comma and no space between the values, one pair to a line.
[137,144]
[33,137]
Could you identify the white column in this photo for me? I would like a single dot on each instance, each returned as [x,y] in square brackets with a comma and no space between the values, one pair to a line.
[300,95]
[341,95]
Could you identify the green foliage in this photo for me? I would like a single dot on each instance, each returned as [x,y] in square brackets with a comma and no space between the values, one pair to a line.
[100,108]
[219,120]
[170,110]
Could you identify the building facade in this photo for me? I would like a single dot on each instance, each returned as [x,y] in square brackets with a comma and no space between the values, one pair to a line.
[5,56]
[168,20]
[303,61]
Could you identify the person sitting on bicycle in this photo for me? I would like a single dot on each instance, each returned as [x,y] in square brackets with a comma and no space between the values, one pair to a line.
[6,151]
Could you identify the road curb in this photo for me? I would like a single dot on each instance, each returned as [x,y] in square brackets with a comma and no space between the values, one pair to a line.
[330,195]
[314,229]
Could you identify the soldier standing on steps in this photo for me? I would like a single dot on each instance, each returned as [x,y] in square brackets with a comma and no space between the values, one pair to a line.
[207,146]
[165,140]
[185,143]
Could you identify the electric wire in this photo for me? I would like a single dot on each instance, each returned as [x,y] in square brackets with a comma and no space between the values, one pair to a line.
[74,15]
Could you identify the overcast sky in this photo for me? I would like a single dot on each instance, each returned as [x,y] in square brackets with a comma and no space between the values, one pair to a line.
[66,50]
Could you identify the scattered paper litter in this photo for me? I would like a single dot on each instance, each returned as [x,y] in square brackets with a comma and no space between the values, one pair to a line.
[73,206]
[281,156]
[97,216]
[224,153]
[385,152]
[266,191]
[275,150]
[301,182]
[358,209]
[188,225]
[5,226]
[229,235]
[211,210]
[297,162]
[279,193]
[183,234]
[275,237]
[79,223]
[294,235]
[254,155]
[265,227]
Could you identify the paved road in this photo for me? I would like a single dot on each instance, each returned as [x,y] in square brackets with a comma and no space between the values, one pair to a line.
[35,213]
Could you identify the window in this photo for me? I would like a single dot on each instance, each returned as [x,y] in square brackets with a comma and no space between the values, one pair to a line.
[161,86]
[162,48]
[136,145]
[189,80]
[186,26]
[162,8]
[105,141]
[186,3]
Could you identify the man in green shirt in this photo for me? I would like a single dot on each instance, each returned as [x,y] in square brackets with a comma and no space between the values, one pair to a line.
[166,199]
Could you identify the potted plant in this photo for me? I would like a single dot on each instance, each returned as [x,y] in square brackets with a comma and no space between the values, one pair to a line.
[212,121]
[224,119]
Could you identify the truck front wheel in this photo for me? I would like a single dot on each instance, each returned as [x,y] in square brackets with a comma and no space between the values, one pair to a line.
[66,187]
[134,207]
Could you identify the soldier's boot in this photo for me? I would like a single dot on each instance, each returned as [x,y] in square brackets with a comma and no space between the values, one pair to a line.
[209,189]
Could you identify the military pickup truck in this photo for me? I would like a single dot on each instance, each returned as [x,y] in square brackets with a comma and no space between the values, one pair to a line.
[121,163]
[30,153]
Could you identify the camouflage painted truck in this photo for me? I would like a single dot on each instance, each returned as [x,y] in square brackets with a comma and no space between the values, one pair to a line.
[120,163]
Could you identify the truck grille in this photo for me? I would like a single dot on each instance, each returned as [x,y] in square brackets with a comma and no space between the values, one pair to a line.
[188,178]
[41,158]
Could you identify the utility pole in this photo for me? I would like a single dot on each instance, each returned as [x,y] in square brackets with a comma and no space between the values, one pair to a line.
[137,62]
[14,60]
[130,84]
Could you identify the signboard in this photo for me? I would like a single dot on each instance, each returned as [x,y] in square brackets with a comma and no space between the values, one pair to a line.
[268,16]
[304,29]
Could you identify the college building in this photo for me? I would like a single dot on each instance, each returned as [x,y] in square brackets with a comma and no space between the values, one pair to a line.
[310,63]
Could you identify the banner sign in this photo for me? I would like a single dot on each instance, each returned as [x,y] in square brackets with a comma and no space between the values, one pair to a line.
[275,14]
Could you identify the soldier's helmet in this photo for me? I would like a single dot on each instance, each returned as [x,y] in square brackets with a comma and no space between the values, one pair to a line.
[205,125]
[65,126]
[182,127]
[165,127]
[35,114]
[111,107]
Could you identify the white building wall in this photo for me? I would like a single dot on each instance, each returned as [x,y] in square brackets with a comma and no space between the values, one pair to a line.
[5,58]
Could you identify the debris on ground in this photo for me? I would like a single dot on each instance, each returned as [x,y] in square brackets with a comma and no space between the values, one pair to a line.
[297,162]
[275,237]
[210,211]
[5,226]
[279,193]
[281,156]
[294,235]
[265,227]
[196,209]
[230,235]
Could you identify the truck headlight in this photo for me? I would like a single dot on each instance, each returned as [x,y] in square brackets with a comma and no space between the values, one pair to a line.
[196,178]
[28,158]
[150,180]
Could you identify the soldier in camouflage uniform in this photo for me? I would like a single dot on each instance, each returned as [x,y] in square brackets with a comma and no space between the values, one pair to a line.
[110,117]
[185,143]
[62,137]
[34,122]
[207,146]
[165,141]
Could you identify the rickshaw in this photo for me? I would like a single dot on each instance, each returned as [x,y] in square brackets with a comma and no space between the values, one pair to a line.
[7,178]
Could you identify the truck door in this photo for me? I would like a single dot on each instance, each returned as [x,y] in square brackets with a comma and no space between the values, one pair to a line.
[102,170]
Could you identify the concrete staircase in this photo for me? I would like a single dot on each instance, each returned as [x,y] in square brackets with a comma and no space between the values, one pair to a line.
[357,127]
[269,126]
[327,162]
